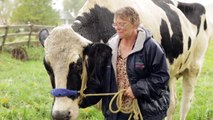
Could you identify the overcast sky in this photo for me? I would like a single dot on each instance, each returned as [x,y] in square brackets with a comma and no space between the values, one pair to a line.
[57,4]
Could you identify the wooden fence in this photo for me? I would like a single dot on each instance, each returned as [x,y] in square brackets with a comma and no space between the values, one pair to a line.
[19,30]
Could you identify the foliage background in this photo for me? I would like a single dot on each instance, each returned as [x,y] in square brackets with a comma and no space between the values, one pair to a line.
[40,12]
[73,5]
[6,8]
[35,12]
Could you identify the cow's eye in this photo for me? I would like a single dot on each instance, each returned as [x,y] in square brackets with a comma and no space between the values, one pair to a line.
[79,65]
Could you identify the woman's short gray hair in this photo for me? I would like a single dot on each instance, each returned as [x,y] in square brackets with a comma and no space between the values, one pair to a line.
[128,13]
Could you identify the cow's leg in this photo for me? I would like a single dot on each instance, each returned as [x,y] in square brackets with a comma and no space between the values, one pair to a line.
[189,82]
[171,110]
[191,74]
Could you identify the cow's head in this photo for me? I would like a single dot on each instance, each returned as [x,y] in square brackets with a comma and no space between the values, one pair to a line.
[65,51]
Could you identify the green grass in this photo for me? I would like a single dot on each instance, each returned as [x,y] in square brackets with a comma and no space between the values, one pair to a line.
[25,87]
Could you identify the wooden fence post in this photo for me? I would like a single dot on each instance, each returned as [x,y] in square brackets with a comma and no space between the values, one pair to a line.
[31,30]
[4,37]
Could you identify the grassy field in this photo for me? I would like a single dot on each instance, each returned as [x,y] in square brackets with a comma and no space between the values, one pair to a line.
[25,87]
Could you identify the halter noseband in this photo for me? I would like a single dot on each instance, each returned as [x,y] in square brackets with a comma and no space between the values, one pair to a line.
[61,92]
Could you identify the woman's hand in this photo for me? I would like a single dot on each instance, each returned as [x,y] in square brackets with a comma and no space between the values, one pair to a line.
[128,92]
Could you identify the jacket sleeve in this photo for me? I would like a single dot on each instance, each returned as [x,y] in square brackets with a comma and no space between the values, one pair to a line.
[157,81]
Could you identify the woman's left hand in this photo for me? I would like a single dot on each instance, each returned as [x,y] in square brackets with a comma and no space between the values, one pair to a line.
[128,92]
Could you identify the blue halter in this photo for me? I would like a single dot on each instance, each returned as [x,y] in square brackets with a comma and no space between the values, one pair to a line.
[61,92]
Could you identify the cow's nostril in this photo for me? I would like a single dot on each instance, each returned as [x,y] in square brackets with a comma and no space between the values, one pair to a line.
[61,115]
[69,114]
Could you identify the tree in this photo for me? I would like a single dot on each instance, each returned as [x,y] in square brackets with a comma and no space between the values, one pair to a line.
[35,12]
[73,5]
[6,7]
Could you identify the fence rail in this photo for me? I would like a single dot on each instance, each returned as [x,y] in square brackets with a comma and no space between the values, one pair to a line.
[21,30]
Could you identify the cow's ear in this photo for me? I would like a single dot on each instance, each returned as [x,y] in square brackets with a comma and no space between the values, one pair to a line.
[43,34]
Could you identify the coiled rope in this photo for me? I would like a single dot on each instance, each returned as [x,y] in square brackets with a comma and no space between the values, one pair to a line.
[132,109]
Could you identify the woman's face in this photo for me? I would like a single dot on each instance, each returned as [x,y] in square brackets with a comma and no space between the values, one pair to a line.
[124,28]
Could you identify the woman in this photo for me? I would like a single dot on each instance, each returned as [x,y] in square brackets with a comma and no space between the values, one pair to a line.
[138,66]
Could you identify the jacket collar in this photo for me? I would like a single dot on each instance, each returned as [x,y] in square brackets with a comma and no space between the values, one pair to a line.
[114,41]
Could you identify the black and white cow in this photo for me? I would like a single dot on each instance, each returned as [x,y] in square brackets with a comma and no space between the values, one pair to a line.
[65,51]
[181,28]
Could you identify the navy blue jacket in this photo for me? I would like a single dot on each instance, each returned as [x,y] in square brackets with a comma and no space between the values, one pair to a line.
[148,75]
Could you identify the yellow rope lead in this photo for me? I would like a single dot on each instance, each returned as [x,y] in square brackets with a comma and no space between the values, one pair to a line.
[133,109]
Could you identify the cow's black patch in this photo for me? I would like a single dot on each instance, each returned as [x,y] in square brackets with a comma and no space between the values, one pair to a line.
[50,72]
[166,1]
[180,66]
[74,76]
[205,25]
[193,12]
[187,57]
[166,42]
[189,42]
[173,46]
[95,25]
